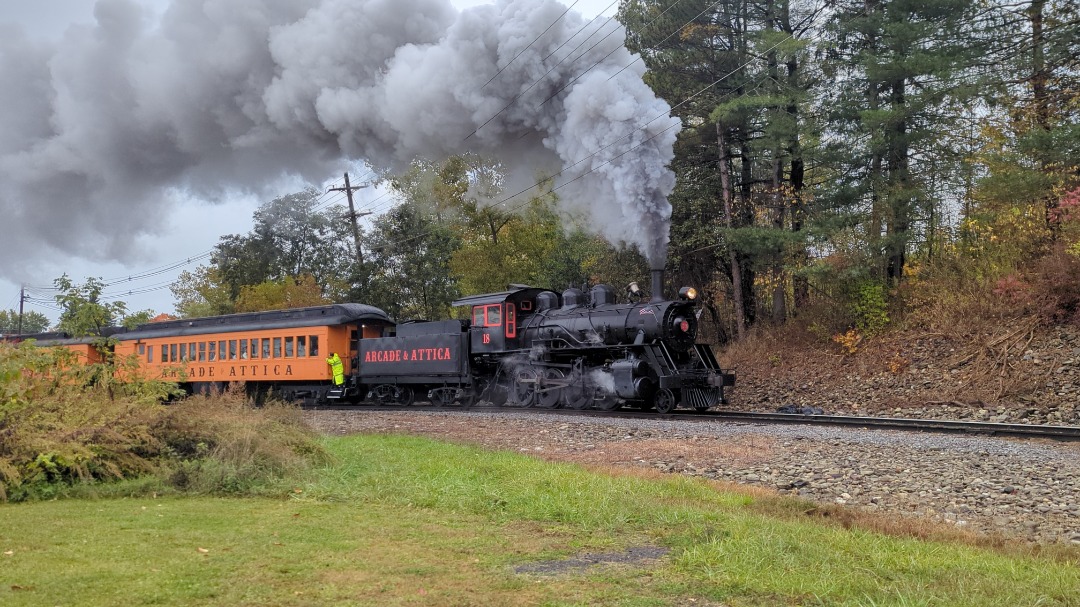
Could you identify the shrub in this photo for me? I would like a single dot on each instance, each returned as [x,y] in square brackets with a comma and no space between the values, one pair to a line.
[65,425]
[222,444]
[871,308]
[1055,286]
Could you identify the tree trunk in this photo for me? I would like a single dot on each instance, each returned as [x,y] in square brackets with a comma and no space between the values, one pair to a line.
[899,187]
[726,196]
[779,292]
[1041,100]
[797,179]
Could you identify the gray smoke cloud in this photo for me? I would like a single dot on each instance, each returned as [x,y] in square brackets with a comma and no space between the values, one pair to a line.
[105,129]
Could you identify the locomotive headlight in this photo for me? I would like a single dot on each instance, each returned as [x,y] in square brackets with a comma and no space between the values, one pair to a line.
[688,293]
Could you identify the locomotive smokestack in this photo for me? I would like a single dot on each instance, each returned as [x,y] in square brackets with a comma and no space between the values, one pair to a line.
[657,284]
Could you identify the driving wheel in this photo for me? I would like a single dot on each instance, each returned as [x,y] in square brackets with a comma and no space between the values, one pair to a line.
[576,395]
[524,391]
[550,391]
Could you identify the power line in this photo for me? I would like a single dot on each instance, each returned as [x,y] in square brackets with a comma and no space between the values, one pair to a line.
[613,51]
[789,36]
[530,44]
[46,291]
[541,78]
[668,37]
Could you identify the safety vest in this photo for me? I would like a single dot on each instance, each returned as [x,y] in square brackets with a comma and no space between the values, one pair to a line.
[338,368]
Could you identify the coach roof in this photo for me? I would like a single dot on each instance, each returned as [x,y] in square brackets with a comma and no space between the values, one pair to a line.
[317,316]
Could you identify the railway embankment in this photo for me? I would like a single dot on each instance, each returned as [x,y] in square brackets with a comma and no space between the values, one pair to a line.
[1020,372]
[1018,490]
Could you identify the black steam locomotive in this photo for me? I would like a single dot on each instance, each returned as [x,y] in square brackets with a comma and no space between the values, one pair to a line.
[533,347]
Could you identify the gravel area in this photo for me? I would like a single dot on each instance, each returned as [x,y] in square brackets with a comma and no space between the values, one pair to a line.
[1027,490]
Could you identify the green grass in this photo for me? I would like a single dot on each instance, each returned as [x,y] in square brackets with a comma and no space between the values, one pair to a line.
[409,521]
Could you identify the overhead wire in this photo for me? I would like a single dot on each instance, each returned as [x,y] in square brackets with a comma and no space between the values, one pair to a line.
[640,128]
[621,46]
[503,201]
[557,64]
[41,296]
[530,44]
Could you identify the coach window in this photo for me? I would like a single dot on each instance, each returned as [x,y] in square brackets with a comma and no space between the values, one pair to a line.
[142,349]
[191,351]
[243,349]
[314,341]
[150,354]
[164,353]
[288,347]
[232,349]
[265,348]
[172,354]
[277,347]
[255,348]
[202,351]
[222,352]
[301,346]
[213,351]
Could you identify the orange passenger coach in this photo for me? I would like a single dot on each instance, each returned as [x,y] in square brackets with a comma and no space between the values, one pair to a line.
[281,350]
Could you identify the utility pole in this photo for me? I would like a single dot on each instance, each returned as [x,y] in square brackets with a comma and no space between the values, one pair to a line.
[22,298]
[353,215]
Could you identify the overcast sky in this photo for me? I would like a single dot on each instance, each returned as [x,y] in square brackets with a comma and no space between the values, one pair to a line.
[187,228]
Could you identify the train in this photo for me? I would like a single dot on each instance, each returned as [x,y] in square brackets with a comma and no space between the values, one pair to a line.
[525,346]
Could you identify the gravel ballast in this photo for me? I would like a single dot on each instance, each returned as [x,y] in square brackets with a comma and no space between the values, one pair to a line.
[1027,490]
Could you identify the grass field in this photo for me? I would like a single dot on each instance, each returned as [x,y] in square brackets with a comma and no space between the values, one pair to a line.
[408,521]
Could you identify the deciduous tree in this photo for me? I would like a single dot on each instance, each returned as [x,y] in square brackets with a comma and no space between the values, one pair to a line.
[32,322]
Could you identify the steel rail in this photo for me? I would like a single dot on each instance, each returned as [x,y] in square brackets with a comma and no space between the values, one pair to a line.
[1063,433]
[1059,433]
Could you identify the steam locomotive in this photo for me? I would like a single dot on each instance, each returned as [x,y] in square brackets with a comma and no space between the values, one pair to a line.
[533,347]
[525,346]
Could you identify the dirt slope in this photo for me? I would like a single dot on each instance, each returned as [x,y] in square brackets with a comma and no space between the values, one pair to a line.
[1013,371]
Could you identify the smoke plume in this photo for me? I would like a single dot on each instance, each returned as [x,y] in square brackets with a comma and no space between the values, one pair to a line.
[102,131]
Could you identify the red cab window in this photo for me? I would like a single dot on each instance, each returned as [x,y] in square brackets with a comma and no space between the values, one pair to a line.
[511,320]
[493,316]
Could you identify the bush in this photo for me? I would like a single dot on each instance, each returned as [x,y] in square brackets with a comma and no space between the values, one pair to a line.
[221,444]
[66,425]
[1055,286]
[870,308]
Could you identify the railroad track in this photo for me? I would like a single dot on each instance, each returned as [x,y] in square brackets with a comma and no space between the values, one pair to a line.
[1059,433]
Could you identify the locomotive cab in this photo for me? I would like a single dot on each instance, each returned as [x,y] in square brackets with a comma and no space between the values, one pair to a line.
[497,318]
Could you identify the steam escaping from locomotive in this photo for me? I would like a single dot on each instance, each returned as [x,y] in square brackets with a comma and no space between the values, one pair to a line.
[105,130]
